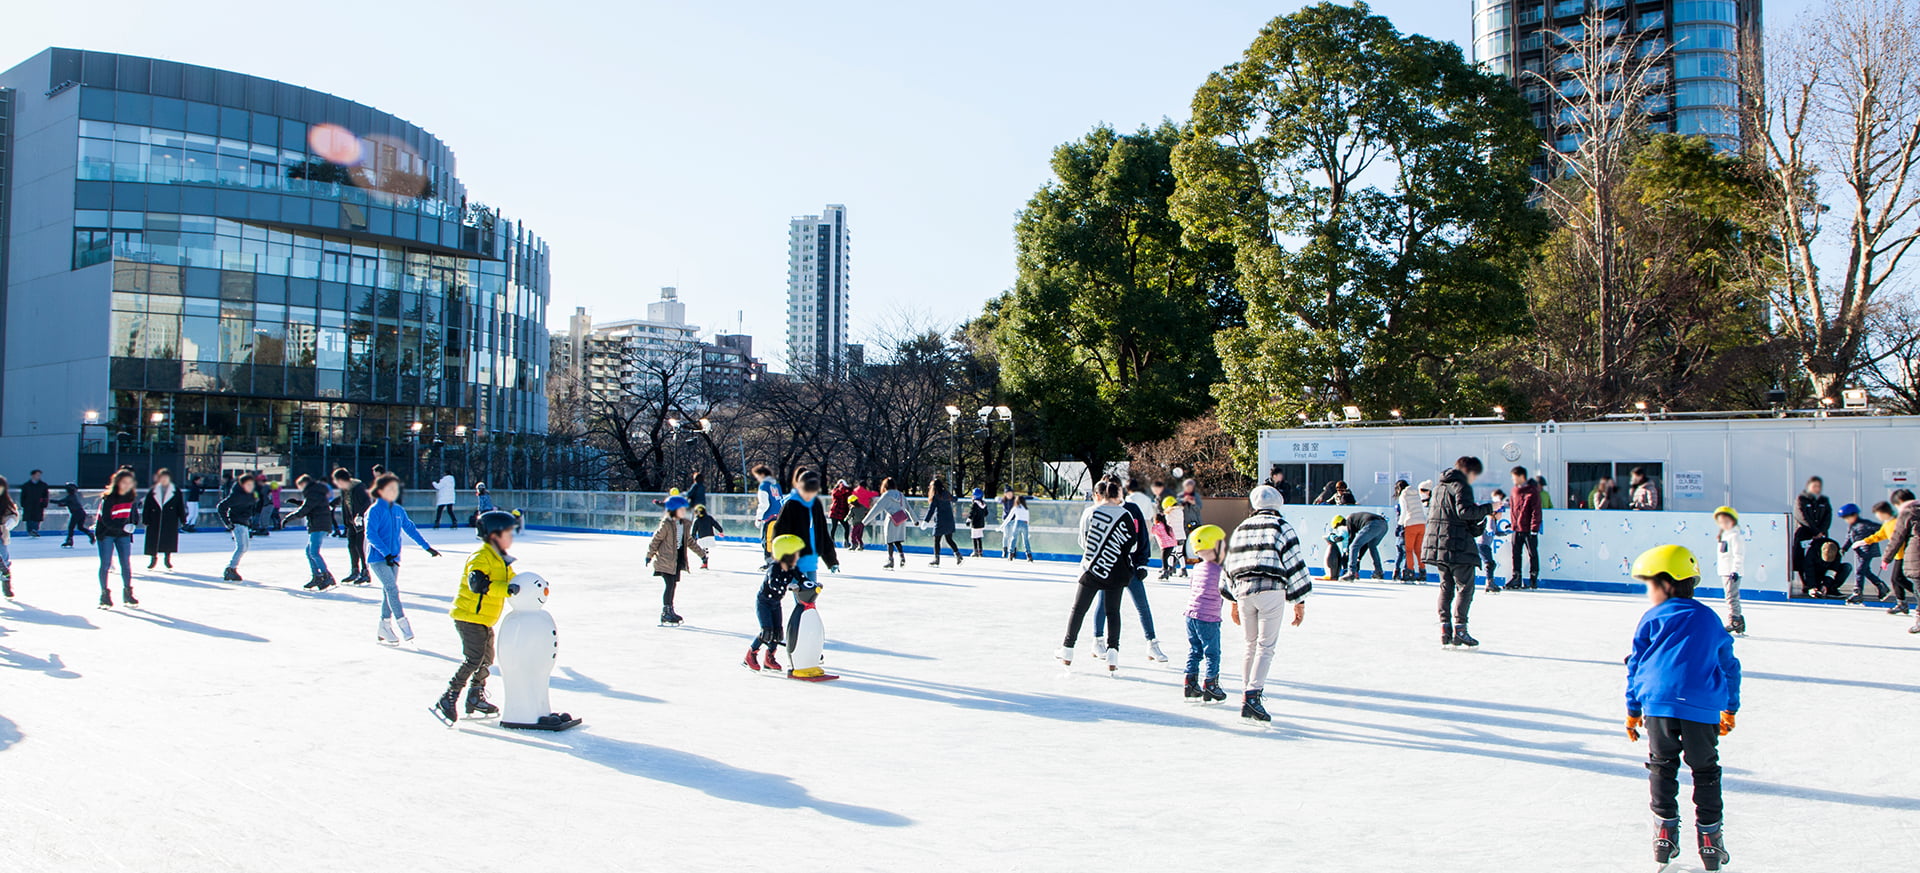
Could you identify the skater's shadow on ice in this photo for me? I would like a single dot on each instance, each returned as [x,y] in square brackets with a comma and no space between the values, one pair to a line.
[714,778]
[1472,707]
[1052,706]
[21,612]
[206,630]
[903,580]
[575,681]
[1822,680]
[832,645]
[9,733]
[186,580]
[50,665]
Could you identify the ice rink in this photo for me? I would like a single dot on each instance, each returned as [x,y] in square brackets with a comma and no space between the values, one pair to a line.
[259,727]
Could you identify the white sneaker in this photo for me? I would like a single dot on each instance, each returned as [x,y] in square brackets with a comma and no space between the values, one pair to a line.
[1065,655]
[388,636]
[1099,648]
[1113,660]
[1153,651]
[406,630]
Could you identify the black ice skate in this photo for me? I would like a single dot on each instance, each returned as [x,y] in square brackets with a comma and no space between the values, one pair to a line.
[445,708]
[6,583]
[126,596]
[106,599]
[1446,635]
[669,618]
[232,575]
[1713,850]
[1462,638]
[1737,625]
[1191,691]
[1211,692]
[477,704]
[1666,843]
[1253,710]
[315,583]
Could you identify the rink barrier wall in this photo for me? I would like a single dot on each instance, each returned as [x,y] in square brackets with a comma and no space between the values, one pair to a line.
[1580,550]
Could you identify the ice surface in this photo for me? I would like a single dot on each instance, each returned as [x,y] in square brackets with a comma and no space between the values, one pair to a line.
[259,727]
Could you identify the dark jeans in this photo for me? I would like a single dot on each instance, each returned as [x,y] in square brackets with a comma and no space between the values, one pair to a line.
[476,644]
[768,608]
[1902,589]
[1138,590]
[1669,740]
[1863,573]
[838,525]
[1109,614]
[1456,592]
[78,523]
[356,548]
[109,547]
[673,583]
[1203,641]
[1366,542]
[1530,543]
[452,520]
[856,535]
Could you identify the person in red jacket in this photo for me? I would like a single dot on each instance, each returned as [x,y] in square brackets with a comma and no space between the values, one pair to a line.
[837,509]
[1524,515]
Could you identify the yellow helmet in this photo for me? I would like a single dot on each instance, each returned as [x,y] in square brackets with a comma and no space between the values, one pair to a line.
[1339,520]
[1206,537]
[1729,512]
[1169,502]
[787,544]
[1675,561]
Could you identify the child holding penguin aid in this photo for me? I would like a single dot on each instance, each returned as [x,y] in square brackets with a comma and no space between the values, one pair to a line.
[782,574]
[1683,689]
[486,583]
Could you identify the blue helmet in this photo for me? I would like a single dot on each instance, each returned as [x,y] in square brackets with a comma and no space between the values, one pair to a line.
[1849,509]
[677,503]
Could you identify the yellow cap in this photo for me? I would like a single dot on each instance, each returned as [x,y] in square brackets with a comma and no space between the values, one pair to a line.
[1675,561]
[1729,512]
[1169,502]
[787,544]
[1339,520]
[1206,537]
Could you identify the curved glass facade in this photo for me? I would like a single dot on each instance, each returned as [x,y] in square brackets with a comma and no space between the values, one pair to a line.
[286,268]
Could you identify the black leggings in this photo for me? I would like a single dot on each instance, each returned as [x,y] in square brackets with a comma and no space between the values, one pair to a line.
[838,525]
[356,548]
[1902,589]
[897,547]
[1669,740]
[673,582]
[1082,601]
[452,520]
[948,539]
[1456,591]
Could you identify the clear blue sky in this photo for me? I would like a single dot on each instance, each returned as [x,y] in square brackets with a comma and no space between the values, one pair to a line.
[655,143]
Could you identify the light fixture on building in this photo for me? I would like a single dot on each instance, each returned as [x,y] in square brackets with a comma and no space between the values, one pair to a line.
[460,431]
[1005,413]
[953,413]
[93,415]
[1394,412]
[1351,412]
[1500,411]
[416,427]
[157,417]
[1640,405]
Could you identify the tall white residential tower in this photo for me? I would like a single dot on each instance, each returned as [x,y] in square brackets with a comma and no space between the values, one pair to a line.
[817,291]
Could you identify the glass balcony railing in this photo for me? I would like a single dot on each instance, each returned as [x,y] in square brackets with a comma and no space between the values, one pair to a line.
[93,169]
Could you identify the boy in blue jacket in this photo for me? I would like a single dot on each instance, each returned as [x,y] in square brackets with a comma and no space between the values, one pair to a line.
[1683,688]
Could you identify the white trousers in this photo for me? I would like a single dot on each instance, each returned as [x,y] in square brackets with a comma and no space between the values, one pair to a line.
[1261,615]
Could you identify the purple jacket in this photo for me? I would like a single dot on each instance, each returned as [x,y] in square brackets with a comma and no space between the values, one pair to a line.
[1205,605]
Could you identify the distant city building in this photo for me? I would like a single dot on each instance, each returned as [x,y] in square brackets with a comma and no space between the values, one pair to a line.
[197,263]
[619,357]
[1706,45]
[856,356]
[817,291]
[727,366]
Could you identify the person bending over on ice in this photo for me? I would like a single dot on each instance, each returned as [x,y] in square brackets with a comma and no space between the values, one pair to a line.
[1683,689]
[782,574]
[1264,573]
[486,583]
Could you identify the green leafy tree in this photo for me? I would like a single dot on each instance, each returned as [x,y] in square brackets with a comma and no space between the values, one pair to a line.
[1106,337]
[1374,188]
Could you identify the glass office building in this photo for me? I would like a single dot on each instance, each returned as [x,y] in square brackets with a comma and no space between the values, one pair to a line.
[199,262]
[1701,46]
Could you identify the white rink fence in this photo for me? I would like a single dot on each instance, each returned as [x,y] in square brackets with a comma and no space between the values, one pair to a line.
[1580,550]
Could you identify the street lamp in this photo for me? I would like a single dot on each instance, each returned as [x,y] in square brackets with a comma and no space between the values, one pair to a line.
[415,428]
[953,448]
[1013,444]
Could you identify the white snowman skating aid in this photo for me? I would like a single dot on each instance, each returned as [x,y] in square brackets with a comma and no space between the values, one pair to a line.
[805,634]
[525,651]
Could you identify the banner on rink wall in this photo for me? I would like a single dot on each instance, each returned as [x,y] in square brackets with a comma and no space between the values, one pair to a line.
[1594,551]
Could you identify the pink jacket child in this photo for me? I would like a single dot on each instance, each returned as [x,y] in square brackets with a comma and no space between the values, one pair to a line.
[1162,534]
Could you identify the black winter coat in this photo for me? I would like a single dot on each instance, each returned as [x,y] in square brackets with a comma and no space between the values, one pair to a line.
[1813,512]
[315,508]
[239,508]
[163,521]
[33,501]
[1454,522]
[119,515]
[940,512]
[807,519]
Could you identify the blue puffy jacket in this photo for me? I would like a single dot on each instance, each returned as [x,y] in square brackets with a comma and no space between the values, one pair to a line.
[1682,664]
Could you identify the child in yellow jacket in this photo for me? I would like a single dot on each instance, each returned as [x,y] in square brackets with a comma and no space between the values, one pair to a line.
[486,583]
[1891,554]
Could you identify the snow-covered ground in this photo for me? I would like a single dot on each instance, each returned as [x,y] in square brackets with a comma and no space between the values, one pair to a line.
[259,727]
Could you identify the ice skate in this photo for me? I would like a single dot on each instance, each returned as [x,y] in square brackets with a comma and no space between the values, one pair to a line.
[1446,635]
[405,628]
[126,596]
[386,635]
[1065,655]
[1737,625]
[751,661]
[771,665]
[669,618]
[1154,653]
[1666,844]
[1462,638]
[1191,690]
[1211,692]
[446,708]
[478,705]
[315,583]
[6,583]
[1899,608]
[106,600]
[1113,661]
[1713,849]
[1099,648]
[231,575]
[1253,710]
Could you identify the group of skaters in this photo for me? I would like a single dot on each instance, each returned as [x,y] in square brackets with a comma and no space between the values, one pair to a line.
[1870,543]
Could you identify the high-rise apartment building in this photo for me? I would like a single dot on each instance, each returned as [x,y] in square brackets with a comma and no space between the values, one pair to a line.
[817,291]
[1694,51]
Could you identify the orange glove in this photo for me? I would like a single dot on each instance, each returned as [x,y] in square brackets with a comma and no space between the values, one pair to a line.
[1726,723]
[1634,724]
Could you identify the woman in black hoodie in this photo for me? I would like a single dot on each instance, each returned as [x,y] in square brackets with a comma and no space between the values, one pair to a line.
[940,512]
[113,533]
[237,511]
